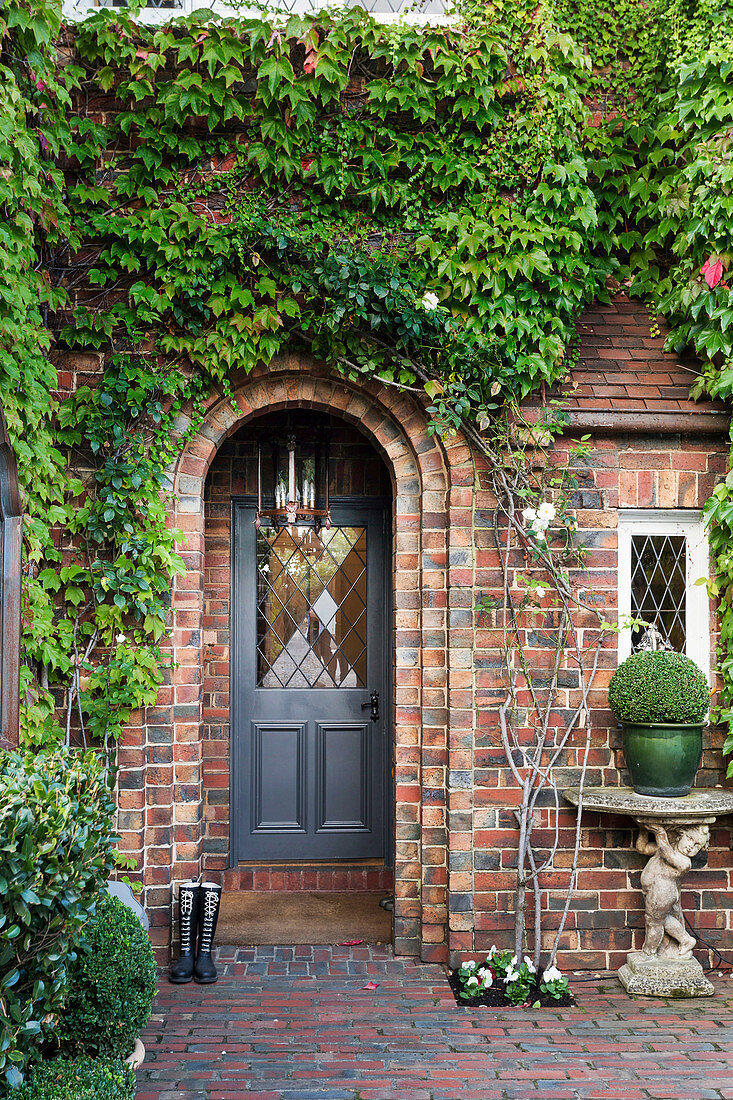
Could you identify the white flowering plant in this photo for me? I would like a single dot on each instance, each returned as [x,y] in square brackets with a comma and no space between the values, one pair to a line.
[537,520]
[519,980]
[516,978]
[554,983]
[475,979]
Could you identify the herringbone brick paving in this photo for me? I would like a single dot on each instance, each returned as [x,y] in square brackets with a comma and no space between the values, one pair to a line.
[295,1023]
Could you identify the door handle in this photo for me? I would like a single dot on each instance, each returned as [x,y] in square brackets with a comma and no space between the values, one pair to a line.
[372,705]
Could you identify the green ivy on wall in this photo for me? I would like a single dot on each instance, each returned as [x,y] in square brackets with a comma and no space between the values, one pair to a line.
[430,206]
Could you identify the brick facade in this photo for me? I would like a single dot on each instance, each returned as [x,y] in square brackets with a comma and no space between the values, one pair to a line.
[455,836]
[454,831]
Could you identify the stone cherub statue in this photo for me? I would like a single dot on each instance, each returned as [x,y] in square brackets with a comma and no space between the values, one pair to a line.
[666,935]
[652,640]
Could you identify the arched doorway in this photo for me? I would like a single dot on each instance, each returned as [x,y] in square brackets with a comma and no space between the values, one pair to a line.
[300,614]
[431,486]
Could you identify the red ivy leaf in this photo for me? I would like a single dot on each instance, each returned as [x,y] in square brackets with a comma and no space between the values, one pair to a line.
[311,57]
[371,985]
[713,272]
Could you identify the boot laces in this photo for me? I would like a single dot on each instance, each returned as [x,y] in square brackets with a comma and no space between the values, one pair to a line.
[207,929]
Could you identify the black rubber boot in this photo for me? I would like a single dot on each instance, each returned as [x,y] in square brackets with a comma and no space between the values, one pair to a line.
[181,971]
[204,971]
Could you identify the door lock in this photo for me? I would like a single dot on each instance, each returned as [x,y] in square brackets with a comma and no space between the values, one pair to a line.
[372,705]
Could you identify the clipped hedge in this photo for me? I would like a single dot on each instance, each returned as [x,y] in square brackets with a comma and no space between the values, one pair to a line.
[78,1079]
[657,688]
[112,985]
[56,841]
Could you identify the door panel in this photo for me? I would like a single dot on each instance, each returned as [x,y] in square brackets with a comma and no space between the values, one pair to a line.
[310,644]
[278,778]
[343,776]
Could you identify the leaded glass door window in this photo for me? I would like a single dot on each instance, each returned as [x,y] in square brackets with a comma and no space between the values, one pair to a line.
[311,607]
[662,554]
[310,646]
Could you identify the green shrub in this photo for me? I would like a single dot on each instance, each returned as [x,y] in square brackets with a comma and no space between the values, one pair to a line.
[113,982]
[659,687]
[56,841]
[78,1079]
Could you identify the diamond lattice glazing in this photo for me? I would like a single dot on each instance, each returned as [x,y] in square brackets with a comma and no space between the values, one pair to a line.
[658,584]
[311,607]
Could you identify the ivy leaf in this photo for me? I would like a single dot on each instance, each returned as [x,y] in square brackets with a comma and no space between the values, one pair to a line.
[712,269]
[434,389]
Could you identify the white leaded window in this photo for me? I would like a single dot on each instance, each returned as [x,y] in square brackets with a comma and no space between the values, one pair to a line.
[156,11]
[661,554]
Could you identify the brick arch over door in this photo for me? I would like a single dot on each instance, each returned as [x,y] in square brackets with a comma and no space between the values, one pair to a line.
[432,492]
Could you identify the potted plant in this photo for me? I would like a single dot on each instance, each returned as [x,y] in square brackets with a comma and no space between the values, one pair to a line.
[661,699]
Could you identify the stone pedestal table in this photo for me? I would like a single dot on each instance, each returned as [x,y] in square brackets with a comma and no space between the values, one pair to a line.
[671,832]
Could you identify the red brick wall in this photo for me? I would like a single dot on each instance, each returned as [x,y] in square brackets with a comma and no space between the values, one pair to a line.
[455,835]
[626,471]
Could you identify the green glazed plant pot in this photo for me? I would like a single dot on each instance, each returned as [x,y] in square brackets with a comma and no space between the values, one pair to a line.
[663,759]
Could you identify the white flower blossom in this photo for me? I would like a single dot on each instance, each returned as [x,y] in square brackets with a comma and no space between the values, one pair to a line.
[120,639]
[487,978]
[540,591]
[473,980]
[514,960]
[529,964]
[511,976]
[491,953]
[470,964]
[539,519]
[430,300]
[552,974]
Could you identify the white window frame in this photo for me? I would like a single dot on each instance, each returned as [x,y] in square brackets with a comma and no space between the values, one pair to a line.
[76,10]
[672,521]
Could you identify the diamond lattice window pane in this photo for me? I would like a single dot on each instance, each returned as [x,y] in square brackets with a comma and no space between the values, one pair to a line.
[311,607]
[658,586]
[376,7]
[178,4]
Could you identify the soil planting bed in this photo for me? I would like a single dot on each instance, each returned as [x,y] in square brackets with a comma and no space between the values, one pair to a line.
[494,997]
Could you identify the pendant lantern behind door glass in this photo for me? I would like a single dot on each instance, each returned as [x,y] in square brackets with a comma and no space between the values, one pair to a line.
[311,576]
[292,488]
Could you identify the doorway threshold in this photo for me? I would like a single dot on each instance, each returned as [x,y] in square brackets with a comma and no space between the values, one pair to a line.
[251,917]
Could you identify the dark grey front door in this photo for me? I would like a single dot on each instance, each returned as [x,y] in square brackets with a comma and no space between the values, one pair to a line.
[309,763]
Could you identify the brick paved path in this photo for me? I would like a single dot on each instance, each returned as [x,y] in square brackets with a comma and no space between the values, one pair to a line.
[293,1023]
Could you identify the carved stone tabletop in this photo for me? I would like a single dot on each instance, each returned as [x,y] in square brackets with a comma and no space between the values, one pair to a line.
[671,832]
[701,806]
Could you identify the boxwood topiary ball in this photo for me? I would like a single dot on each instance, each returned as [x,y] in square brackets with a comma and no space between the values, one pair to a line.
[657,688]
[113,982]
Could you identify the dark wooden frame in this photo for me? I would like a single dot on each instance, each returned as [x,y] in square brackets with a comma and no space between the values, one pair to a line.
[11,522]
